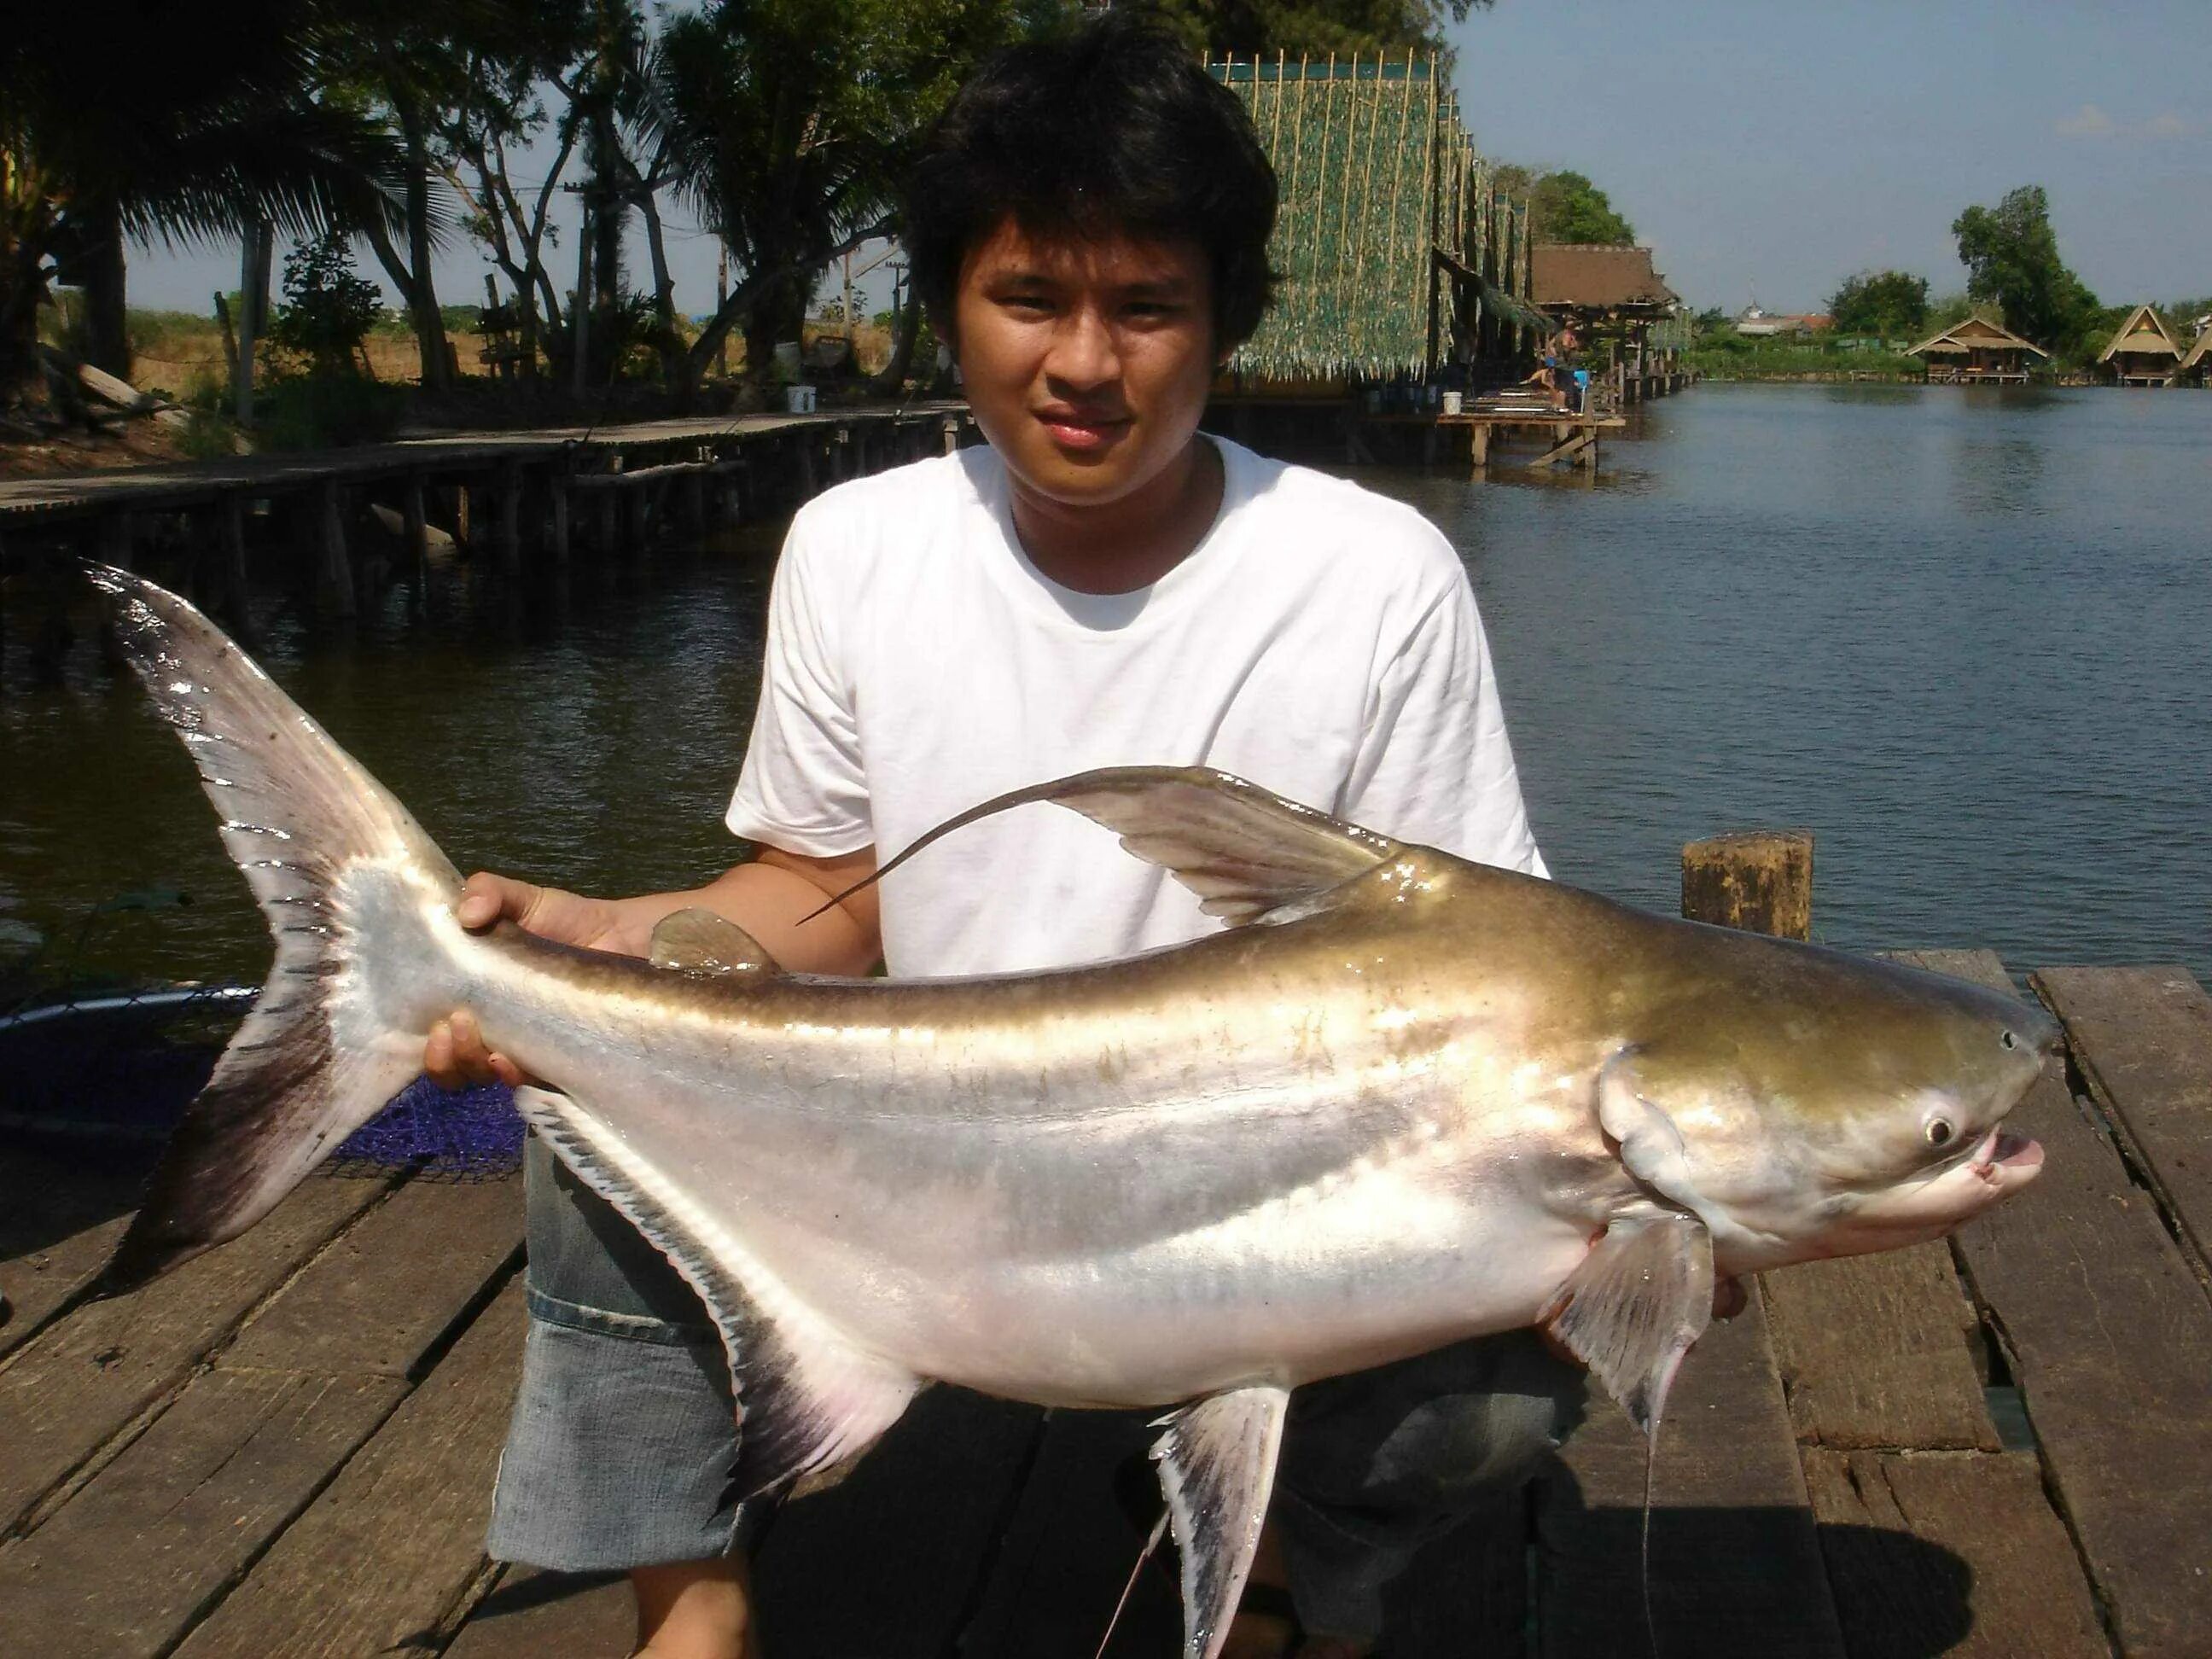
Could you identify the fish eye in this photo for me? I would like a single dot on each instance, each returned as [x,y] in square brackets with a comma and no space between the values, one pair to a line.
[1939,1130]
[2009,1041]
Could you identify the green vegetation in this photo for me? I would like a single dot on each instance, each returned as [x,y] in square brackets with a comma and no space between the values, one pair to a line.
[1722,354]
[1249,28]
[328,311]
[1887,305]
[2011,256]
[1564,206]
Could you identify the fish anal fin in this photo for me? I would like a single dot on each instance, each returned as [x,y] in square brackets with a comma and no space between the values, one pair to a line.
[1217,1458]
[1633,1308]
[698,940]
[1244,850]
[809,1398]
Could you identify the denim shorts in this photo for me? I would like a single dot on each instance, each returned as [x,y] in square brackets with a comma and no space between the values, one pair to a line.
[624,1435]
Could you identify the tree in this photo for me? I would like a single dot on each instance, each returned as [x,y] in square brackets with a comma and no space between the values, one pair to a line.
[787,126]
[1563,206]
[1252,28]
[328,310]
[1890,304]
[188,122]
[2011,256]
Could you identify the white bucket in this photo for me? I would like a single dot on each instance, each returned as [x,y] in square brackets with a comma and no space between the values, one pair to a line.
[798,399]
[1451,402]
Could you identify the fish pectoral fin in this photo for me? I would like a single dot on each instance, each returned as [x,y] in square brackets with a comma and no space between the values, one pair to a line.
[1217,1461]
[699,941]
[809,1398]
[1630,1312]
[1243,850]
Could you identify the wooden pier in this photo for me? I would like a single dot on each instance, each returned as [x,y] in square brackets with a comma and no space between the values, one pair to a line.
[1999,1444]
[522,498]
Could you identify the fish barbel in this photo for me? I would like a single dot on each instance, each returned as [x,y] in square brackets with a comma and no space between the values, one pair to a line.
[1401,1099]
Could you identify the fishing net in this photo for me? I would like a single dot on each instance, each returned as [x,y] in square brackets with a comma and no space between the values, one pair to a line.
[117,1066]
[474,1135]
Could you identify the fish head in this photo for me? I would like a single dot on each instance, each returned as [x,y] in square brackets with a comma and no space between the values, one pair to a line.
[1835,1108]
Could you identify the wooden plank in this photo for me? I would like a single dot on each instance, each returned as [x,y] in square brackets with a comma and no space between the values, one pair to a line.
[2109,1337]
[383,1559]
[1951,1553]
[70,1391]
[529,1613]
[385,1294]
[126,1566]
[37,1282]
[924,1509]
[1735,1566]
[1466,1593]
[1873,1350]
[1068,1550]
[2142,1039]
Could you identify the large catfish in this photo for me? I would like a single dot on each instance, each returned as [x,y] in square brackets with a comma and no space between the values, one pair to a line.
[1399,1100]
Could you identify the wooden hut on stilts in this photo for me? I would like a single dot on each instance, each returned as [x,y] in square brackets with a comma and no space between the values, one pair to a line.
[2143,353]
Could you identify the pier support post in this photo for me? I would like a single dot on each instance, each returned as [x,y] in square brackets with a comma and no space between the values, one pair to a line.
[807,466]
[556,514]
[117,535]
[230,528]
[510,519]
[692,487]
[1478,439]
[415,529]
[1761,882]
[334,570]
[640,516]
[461,538]
[605,536]
[951,434]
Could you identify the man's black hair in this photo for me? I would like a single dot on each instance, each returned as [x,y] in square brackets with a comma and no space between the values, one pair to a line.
[1106,127]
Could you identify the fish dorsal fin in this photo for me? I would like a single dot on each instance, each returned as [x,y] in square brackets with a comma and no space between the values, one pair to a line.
[701,942]
[1217,1458]
[1630,1312]
[1243,850]
[809,1398]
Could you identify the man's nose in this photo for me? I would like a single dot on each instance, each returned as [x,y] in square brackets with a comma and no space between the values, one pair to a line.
[1085,352]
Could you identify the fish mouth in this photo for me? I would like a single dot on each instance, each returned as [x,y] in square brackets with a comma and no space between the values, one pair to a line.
[2006,1160]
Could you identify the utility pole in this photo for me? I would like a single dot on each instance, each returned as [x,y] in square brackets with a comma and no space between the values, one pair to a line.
[580,311]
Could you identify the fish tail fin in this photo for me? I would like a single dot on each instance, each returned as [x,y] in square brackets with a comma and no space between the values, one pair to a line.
[330,857]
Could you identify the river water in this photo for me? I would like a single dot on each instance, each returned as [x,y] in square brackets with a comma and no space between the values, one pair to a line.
[1965,636]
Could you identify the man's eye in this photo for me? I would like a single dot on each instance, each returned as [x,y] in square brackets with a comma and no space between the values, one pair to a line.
[1035,303]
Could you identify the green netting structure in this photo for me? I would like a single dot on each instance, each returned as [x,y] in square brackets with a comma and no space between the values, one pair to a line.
[1395,252]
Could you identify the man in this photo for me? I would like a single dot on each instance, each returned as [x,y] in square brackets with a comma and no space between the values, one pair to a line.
[1102,585]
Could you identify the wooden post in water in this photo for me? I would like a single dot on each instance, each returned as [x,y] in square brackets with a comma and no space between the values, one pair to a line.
[641,515]
[510,519]
[1760,882]
[951,434]
[414,528]
[556,514]
[230,514]
[334,570]
[1478,438]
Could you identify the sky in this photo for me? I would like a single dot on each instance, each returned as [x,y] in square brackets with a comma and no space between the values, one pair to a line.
[1769,150]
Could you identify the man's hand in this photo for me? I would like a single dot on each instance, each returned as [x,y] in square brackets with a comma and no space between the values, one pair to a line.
[455,1055]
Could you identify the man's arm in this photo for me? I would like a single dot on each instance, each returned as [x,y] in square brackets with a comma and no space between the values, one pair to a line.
[771,897]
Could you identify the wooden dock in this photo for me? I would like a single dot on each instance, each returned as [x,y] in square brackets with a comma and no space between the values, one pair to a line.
[2001,1445]
[522,496]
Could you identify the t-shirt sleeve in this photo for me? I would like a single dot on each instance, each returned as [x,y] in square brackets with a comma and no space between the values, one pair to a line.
[802,788]
[1434,763]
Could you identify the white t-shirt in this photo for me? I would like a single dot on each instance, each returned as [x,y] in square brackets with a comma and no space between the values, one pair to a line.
[1320,641]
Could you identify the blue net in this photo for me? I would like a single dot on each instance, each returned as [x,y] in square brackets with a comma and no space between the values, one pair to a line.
[473,1135]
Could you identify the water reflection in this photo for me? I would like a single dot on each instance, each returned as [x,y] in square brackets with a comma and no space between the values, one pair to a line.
[1961,634]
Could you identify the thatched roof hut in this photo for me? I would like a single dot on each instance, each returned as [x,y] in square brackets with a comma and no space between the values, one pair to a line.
[1976,349]
[2142,352]
[2199,360]
[1598,278]
[1397,254]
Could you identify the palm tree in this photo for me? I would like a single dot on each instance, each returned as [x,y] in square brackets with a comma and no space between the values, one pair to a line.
[188,122]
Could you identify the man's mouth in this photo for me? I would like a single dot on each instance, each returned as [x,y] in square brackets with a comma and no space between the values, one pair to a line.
[1076,429]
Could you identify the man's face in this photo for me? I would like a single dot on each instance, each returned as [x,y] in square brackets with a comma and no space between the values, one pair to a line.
[1087,364]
